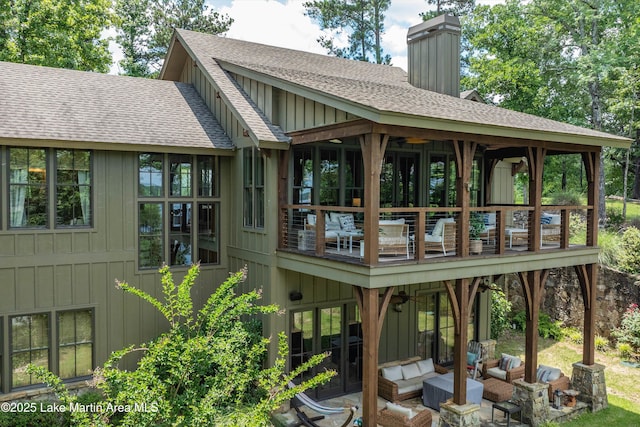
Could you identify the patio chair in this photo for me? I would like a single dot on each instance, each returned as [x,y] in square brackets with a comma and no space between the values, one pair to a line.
[399,416]
[307,421]
[474,357]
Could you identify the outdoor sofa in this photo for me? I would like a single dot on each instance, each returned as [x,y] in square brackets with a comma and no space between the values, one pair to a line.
[403,380]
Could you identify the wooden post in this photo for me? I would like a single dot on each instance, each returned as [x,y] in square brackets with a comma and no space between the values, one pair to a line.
[461,299]
[588,278]
[372,312]
[536,157]
[464,151]
[373,146]
[532,284]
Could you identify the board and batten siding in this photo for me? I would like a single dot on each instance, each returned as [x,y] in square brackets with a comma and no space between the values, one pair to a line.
[53,270]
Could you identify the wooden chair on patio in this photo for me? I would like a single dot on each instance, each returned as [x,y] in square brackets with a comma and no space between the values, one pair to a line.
[399,416]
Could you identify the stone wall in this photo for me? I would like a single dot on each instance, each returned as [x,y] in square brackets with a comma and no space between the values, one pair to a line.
[562,297]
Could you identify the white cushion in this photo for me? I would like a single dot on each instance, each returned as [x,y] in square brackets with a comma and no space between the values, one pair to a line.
[497,373]
[332,226]
[410,371]
[432,239]
[399,410]
[335,216]
[554,374]
[392,373]
[311,219]
[437,229]
[391,221]
[426,366]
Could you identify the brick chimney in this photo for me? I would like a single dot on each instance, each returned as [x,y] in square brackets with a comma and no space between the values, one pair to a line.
[433,48]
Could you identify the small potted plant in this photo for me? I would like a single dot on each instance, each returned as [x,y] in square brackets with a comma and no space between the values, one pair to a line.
[476,227]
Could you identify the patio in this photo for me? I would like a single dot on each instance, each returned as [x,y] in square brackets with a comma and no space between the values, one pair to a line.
[289,418]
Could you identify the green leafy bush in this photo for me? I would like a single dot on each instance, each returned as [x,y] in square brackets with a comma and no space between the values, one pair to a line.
[566,198]
[500,311]
[629,257]
[629,330]
[572,334]
[614,219]
[601,343]
[609,243]
[207,370]
[625,350]
[546,328]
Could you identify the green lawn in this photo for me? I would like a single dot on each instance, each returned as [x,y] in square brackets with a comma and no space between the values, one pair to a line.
[623,383]
[633,208]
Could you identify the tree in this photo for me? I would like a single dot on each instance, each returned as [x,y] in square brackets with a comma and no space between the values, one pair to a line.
[552,58]
[207,370]
[56,33]
[450,7]
[145,28]
[362,19]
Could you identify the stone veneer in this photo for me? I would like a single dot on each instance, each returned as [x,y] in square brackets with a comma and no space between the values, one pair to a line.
[533,400]
[589,381]
[459,415]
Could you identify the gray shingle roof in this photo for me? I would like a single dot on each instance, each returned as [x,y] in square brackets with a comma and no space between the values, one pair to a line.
[384,91]
[56,104]
[247,112]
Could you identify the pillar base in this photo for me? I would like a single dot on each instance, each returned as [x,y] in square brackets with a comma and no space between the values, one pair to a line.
[459,415]
[590,382]
[534,401]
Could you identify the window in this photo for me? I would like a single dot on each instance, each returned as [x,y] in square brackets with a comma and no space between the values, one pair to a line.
[254,197]
[75,343]
[29,202]
[28,187]
[165,221]
[29,344]
[73,187]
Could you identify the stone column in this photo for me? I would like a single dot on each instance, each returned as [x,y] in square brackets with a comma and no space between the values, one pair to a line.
[533,398]
[589,381]
[459,415]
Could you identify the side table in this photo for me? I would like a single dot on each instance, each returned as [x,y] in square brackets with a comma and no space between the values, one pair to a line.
[570,397]
[507,407]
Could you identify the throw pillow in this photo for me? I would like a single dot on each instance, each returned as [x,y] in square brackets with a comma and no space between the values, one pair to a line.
[545,219]
[471,359]
[410,370]
[505,363]
[347,223]
[392,373]
[332,226]
[426,366]
[554,374]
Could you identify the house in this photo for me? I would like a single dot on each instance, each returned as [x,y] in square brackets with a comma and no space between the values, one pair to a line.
[326,177]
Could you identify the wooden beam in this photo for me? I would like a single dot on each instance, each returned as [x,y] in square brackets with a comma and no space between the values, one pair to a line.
[588,278]
[373,147]
[592,168]
[535,158]
[372,313]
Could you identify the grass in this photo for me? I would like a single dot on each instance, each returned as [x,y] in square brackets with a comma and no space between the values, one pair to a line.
[633,208]
[623,387]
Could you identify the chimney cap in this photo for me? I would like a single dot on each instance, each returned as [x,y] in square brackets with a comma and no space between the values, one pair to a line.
[438,24]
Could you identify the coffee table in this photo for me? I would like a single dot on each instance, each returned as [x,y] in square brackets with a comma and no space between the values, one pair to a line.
[438,389]
[351,235]
[507,407]
[517,234]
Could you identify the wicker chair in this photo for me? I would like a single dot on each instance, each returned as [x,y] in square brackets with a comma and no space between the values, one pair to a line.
[388,418]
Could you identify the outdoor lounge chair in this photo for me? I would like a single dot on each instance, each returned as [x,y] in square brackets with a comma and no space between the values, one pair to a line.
[474,357]
[307,421]
[442,237]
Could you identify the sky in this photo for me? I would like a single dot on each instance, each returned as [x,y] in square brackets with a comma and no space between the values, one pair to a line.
[283,23]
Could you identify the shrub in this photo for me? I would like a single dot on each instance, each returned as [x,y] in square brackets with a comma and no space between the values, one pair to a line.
[207,370]
[566,198]
[546,328]
[574,335]
[629,330]
[609,243]
[625,350]
[614,219]
[601,343]
[629,257]
[500,310]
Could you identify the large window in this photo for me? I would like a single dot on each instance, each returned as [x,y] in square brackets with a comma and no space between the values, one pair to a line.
[29,344]
[32,171]
[28,187]
[253,181]
[75,343]
[166,218]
